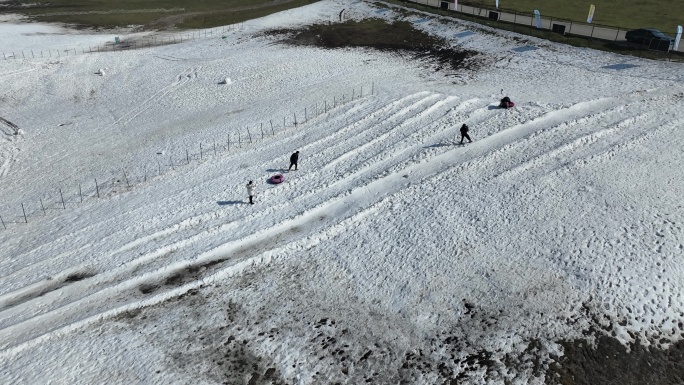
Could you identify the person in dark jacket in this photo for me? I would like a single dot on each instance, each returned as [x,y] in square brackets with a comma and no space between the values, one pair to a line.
[294,158]
[464,133]
[505,102]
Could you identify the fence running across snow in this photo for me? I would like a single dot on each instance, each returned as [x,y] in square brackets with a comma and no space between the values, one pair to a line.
[124,179]
[121,43]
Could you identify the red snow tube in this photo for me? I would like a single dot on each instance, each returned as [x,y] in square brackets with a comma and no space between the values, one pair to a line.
[511,104]
[278,178]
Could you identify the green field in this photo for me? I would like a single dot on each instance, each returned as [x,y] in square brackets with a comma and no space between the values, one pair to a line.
[152,14]
[664,15]
[167,14]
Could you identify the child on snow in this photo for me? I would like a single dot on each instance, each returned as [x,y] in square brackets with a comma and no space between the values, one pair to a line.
[250,191]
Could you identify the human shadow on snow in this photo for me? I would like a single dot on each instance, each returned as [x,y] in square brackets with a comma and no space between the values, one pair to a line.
[226,203]
[436,145]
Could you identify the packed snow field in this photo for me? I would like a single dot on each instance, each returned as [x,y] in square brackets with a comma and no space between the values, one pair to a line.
[392,255]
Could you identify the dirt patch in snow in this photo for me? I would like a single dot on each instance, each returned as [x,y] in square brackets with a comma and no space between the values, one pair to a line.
[608,362]
[398,38]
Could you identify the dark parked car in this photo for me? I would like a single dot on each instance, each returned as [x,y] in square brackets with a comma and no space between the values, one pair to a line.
[649,37]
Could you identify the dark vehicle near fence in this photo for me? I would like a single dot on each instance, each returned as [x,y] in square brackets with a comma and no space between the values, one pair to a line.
[651,38]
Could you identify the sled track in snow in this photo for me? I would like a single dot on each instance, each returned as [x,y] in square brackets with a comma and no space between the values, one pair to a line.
[177,245]
[8,150]
[181,79]
[13,127]
[409,123]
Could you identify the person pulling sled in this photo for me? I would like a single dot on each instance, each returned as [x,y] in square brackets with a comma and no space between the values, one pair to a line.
[506,102]
[294,158]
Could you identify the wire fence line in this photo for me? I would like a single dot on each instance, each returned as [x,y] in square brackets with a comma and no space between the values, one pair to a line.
[126,178]
[124,43]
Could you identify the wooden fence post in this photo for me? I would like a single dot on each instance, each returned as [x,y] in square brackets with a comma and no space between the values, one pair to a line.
[42,206]
[22,209]
[3,223]
[61,195]
[97,188]
[250,135]
[272,132]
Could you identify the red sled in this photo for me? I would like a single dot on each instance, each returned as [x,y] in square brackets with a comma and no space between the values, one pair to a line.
[506,103]
[277,179]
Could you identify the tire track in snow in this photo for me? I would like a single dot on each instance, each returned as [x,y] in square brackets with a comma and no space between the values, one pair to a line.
[573,147]
[412,173]
[20,72]
[115,275]
[576,137]
[181,80]
[184,225]
[349,202]
[206,216]
[194,220]
[190,222]
[8,149]
[183,243]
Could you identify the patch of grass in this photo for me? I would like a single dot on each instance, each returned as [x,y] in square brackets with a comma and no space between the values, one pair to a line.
[227,17]
[574,40]
[660,14]
[148,13]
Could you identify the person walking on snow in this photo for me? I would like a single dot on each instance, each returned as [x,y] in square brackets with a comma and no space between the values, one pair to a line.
[250,192]
[293,160]
[464,133]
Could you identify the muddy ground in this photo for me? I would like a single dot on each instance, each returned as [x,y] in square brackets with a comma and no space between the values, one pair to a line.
[398,38]
[609,363]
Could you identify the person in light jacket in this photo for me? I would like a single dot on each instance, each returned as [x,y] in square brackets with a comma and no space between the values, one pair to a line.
[250,192]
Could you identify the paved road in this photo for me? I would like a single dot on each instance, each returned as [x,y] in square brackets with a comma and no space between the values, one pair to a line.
[575,28]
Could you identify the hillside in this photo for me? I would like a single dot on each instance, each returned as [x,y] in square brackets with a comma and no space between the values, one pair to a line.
[392,255]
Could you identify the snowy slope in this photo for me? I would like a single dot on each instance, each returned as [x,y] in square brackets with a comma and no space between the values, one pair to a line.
[393,254]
